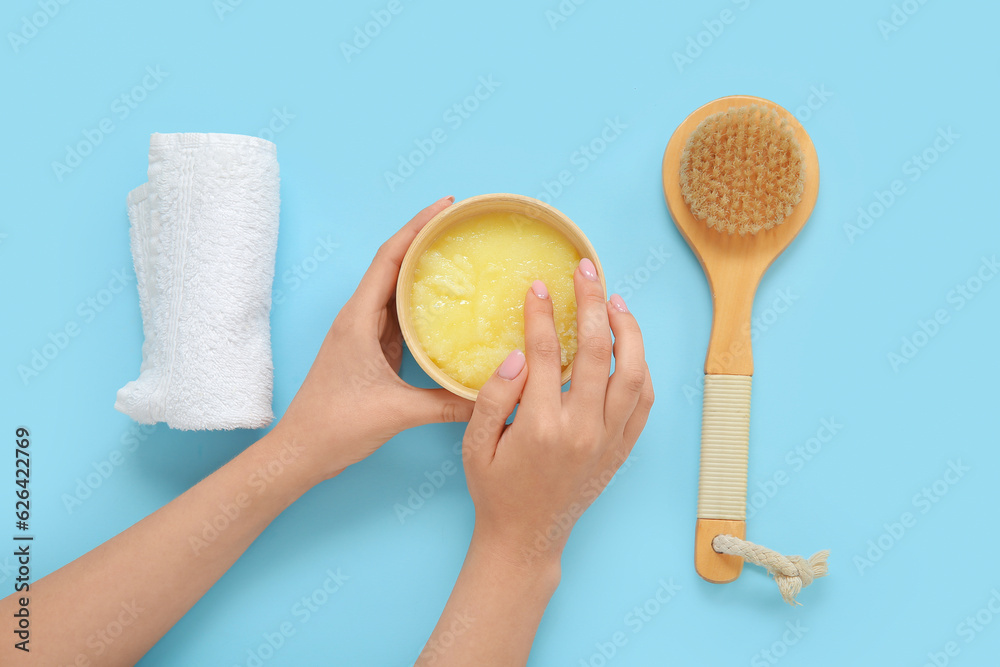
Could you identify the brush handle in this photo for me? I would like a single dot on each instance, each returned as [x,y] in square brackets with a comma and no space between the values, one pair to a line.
[730,348]
[722,481]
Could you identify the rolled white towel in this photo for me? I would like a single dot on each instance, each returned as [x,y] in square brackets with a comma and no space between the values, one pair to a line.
[204,232]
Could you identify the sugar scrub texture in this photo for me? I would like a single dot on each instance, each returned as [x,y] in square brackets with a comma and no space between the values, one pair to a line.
[469,286]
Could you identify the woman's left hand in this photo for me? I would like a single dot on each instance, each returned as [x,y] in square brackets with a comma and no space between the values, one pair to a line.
[353,400]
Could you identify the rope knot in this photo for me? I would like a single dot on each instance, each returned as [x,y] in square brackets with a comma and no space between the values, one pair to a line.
[791,573]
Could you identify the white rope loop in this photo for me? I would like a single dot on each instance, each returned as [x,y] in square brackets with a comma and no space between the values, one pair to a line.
[792,573]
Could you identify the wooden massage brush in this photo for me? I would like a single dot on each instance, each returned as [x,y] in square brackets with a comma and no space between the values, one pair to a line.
[740,177]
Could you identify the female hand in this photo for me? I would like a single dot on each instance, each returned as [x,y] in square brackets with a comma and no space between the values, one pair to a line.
[530,481]
[350,403]
[353,400]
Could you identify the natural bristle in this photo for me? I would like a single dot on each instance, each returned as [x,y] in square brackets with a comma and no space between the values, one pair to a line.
[742,170]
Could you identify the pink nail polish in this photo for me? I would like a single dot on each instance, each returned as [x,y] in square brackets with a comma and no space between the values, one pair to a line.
[619,303]
[540,290]
[588,269]
[512,365]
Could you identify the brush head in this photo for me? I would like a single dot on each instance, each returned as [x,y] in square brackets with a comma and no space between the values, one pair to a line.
[742,170]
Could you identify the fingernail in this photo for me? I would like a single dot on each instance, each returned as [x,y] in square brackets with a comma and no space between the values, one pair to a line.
[588,269]
[538,287]
[619,303]
[512,365]
[450,199]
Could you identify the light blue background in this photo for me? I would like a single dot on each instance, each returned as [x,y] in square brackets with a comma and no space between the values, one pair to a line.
[825,357]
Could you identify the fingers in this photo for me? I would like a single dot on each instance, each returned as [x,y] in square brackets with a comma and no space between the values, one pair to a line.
[592,363]
[430,406]
[494,404]
[542,350]
[379,281]
[631,375]
[637,421]
[390,337]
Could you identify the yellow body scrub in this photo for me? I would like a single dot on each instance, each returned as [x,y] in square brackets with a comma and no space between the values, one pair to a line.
[467,302]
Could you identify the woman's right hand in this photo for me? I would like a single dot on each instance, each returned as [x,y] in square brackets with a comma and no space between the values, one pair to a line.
[531,480]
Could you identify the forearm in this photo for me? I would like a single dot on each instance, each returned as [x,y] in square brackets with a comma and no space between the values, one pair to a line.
[494,610]
[112,604]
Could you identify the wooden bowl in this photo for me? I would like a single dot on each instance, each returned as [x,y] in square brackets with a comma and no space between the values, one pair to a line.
[460,212]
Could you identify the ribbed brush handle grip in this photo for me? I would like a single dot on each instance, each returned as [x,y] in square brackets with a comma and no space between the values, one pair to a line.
[725,436]
[722,481]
